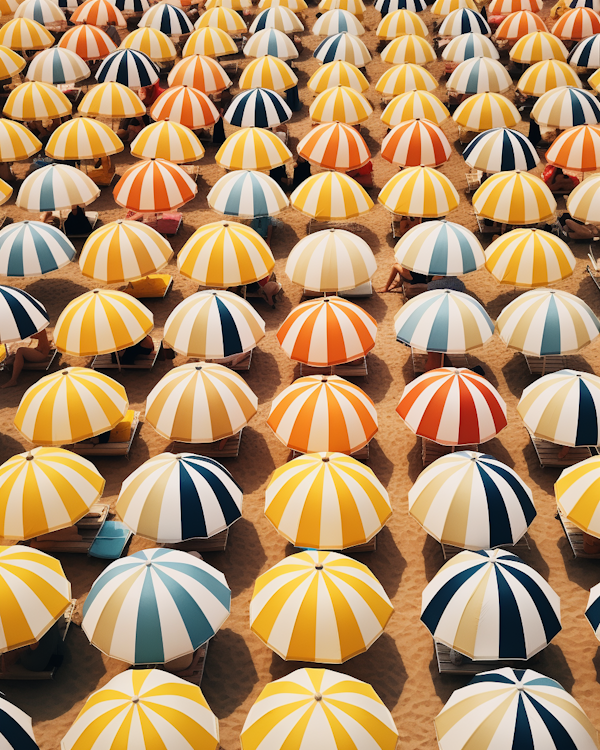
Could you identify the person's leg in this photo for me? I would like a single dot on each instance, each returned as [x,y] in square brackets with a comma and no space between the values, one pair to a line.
[578,231]
[434,360]
[394,273]
[270,289]
[23,354]
[564,451]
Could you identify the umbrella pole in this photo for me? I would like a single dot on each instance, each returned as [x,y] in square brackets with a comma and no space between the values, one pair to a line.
[118,360]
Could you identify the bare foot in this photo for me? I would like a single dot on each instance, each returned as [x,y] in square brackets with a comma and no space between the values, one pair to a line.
[10,384]
[562,453]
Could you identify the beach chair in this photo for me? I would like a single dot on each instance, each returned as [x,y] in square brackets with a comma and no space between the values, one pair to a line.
[363,290]
[492,228]
[215,543]
[230,449]
[105,361]
[153,286]
[195,671]
[575,538]
[355,369]
[593,270]
[473,180]
[167,224]
[467,666]
[76,539]
[546,365]
[191,170]
[92,216]
[547,454]
[111,541]
[242,365]
[42,366]
[431,451]
[449,551]
[88,449]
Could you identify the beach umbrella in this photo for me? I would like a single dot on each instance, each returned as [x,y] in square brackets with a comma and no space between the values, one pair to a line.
[479,74]
[468,46]
[152,43]
[25,34]
[416,143]
[586,54]
[268,73]
[280,18]
[577,24]
[335,21]
[169,141]
[490,605]
[593,4]
[505,7]
[171,498]
[323,413]
[582,203]
[472,501]
[464,21]
[403,78]
[169,19]
[98,13]
[155,606]
[566,107]
[484,111]
[356,7]
[546,75]
[409,48]
[88,42]
[319,607]
[83,138]
[539,45]
[514,198]
[201,73]
[45,12]
[224,254]
[8,6]
[529,258]
[577,497]
[10,63]
[17,728]
[57,66]
[17,142]
[143,706]
[592,611]
[44,490]
[331,196]
[69,5]
[224,19]
[501,150]
[21,315]
[331,260]
[337,73]
[128,67]
[340,104]
[247,195]
[36,101]
[154,186]
[252,148]
[594,81]
[419,191]
[237,5]
[200,403]
[519,24]
[130,7]
[445,7]
[576,149]
[334,146]
[296,5]
[56,187]
[390,6]
[343,46]
[271,42]
[213,325]
[111,100]
[439,248]
[260,108]
[5,192]
[32,248]
[400,23]
[209,41]
[415,105]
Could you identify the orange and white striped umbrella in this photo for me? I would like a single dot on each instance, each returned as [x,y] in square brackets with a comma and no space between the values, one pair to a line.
[340,104]
[323,414]
[186,106]
[405,77]
[504,7]
[514,198]
[169,141]
[252,148]
[540,45]
[210,42]
[25,34]
[268,72]
[154,186]
[337,73]
[201,73]
[518,25]
[112,100]
[326,332]
[152,43]
[331,196]
[416,143]
[577,24]
[335,146]
[486,111]
[89,42]
[409,48]
[415,105]
[547,75]
[36,101]
[419,191]
[577,149]
[221,18]
[98,13]
[399,23]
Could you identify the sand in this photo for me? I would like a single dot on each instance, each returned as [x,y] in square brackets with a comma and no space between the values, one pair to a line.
[401,664]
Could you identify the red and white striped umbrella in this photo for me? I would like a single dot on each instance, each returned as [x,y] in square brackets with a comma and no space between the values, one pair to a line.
[416,143]
[335,145]
[154,186]
[186,106]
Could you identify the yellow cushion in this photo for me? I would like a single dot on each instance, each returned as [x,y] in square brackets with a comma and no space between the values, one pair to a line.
[122,432]
[2,352]
[150,286]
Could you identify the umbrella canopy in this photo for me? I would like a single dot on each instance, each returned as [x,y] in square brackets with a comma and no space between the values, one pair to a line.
[69,5]
[490,605]
[439,248]
[10,63]
[5,192]
[17,143]
[593,4]
[502,7]
[33,248]
[152,43]
[545,76]
[112,100]
[419,191]
[247,195]
[200,403]
[201,73]
[260,108]
[445,7]
[21,315]
[326,501]
[36,101]
[343,46]
[519,24]
[539,45]
[56,187]
[128,6]
[171,498]
[501,150]
[576,149]
[296,5]
[464,21]
[592,611]
[594,81]
[334,145]
[25,34]
[514,198]
[468,46]
[577,24]
[169,141]
[224,19]
[280,18]
[583,202]
[319,607]
[566,107]
[57,66]
[323,413]
[415,105]
[154,186]
[129,67]
[213,325]
[45,12]
[399,23]
[409,48]
[586,54]
[271,42]
[209,41]
[416,143]
[356,7]
[577,496]
[98,13]
[17,733]
[335,21]
[88,42]
[252,148]
[130,604]
[186,106]
[238,5]
[83,138]
[485,111]
[403,78]
[389,6]
[340,104]
[44,490]
[169,19]
[479,74]
[331,260]
[331,196]
[268,73]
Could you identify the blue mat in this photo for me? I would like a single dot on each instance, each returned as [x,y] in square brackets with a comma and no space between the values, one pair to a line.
[111,541]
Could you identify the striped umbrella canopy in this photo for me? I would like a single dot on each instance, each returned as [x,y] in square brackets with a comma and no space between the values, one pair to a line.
[155,606]
[335,21]
[340,104]
[128,66]
[356,7]
[479,74]
[484,111]
[17,143]
[416,143]
[201,73]
[594,81]
[221,18]
[17,728]
[472,501]
[83,138]
[112,100]
[223,254]
[326,501]
[171,498]
[546,322]
[464,21]
[545,76]
[414,105]
[453,406]
[280,18]
[334,145]
[209,41]
[577,24]
[237,5]
[25,34]
[583,202]
[69,5]
[593,4]
[5,192]
[519,24]
[33,248]
[33,100]
[169,19]
[323,413]
[468,46]
[586,54]
[331,260]
[154,186]
[296,5]
[200,403]
[319,607]
[142,706]
[56,187]
[409,48]
[399,23]
[123,251]
[10,63]
[445,7]
[213,325]
[21,315]
[343,46]
[45,12]
[337,73]
[98,13]
[36,593]
[504,7]
[390,6]
[152,43]
[327,331]
[419,191]
[566,107]
[439,248]
[252,148]
[577,495]
[57,66]
[576,149]
[539,45]
[268,73]
[44,490]
[271,42]
[514,198]
[490,605]
[187,106]
[501,150]
[592,611]
[247,195]
[403,78]
[257,108]
[88,42]
[331,196]
[169,141]
[128,6]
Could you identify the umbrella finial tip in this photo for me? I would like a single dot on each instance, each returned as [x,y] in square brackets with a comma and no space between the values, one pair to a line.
[29,456]
[325,459]
[318,566]
[148,563]
[318,697]
[135,699]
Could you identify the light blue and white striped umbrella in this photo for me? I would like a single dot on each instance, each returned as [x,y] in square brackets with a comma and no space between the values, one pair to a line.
[271,42]
[21,315]
[154,606]
[32,248]
[586,54]
[467,46]
[391,6]
[258,108]
[501,150]
[129,67]
[345,47]
[490,605]
[16,728]
[440,248]
[58,66]
[464,21]
[479,75]
[247,194]
[169,19]
[45,12]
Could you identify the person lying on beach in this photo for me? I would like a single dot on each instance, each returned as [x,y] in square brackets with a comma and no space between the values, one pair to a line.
[577,230]
[28,354]
[415,283]
[558,181]
[144,348]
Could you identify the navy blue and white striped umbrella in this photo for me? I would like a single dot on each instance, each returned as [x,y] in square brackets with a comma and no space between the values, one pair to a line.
[16,730]
[586,54]
[258,108]
[390,6]
[592,4]
[129,67]
[501,150]
[21,315]
[32,248]
[131,6]
[464,21]
[343,46]
[592,611]
[169,19]
[68,4]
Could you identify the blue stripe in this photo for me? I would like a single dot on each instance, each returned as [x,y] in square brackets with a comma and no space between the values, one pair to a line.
[436,607]
[148,631]
[438,336]
[511,638]
[523,737]
[551,341]
[108,575]
[14,734]
[560,736]
[492,677]
[22,319]
[550,622]
[499,522]
[525,502]
[593,613]
[193,521]
[587,419]
[330,44]
[232,342]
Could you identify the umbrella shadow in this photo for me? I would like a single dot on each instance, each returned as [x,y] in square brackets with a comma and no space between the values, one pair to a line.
[433,557]
[387,563]
[444,685]
[381,465]
[415,460]
[534,558]
[544,478]
[255,463]
[243,559]
[264,376]
[496,449]
[52,294]
[552,662]
[379,380]
[496,305]
[9,446]
[584,573]
[517,375]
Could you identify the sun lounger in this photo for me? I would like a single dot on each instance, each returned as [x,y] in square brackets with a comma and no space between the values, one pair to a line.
[431,451]
[546,365]
[356,369]
[42,366]
[92,217]
[419,360]
[467,666]
[547,454]
[363,290]
[167,225]
[473,180]
[195,673]
[575,538]
[191,170]
[231,67]
[231,449]
[110,541]
[216,543]
[242,365]
[105,361]
[154,286]
[86,448]
[77,539]
[449,551]
[490,228]
[362,454]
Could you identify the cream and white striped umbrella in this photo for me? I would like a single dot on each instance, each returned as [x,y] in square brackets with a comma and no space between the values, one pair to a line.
[36,101]
[403,78]
[89,42]
[335,21]
[409,48]
[319,607]
[485,111]
[253,148]
[169,141]
[479,74]
[268,72]
[419,191]
[200,403]
[514,198]
[83,138]
[224,19]
[56,187]
[584,201]
[154,186]
[340,104]
[25,34]
[546,75]
[153,43]
[211,42]
[271,42]
[356,7]
[187,106]
[17,142]
[57,66]
[280,18]
[296,5]
[343,46]
[415,105]
[400,23]
[331,196]
[539,45]
[468,46]
[111,100]
[337,73]
[45,12]
[201,73]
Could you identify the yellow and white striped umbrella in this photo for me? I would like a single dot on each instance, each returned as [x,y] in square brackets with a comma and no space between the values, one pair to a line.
[89,42]
[486,111]
[399,23]
[403,78]
[36,101]
[280,18]
[409,48]
[200,403]
[45,12]
[8,6]
[154,186]
[237,5]
[267,72]
[356,7]
[537,46]
[337,73]
[57,187]
[331,196]
[10,63]
[514,198]
[419,191]
[583,203]
[5,192]
[221,18]
[169,141]
[25,34]
[415,105]
[445,7]
[319,607]
[340,104]
[17,142]
[45,490]
[546,75]
[35,593]
[70,405]
[296,5]
[123,251]
[210,42]
[326,501]
[578,494]
[200,72]
[252,148]
[152,42]
[83,138]
[336,20]
[112,100]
